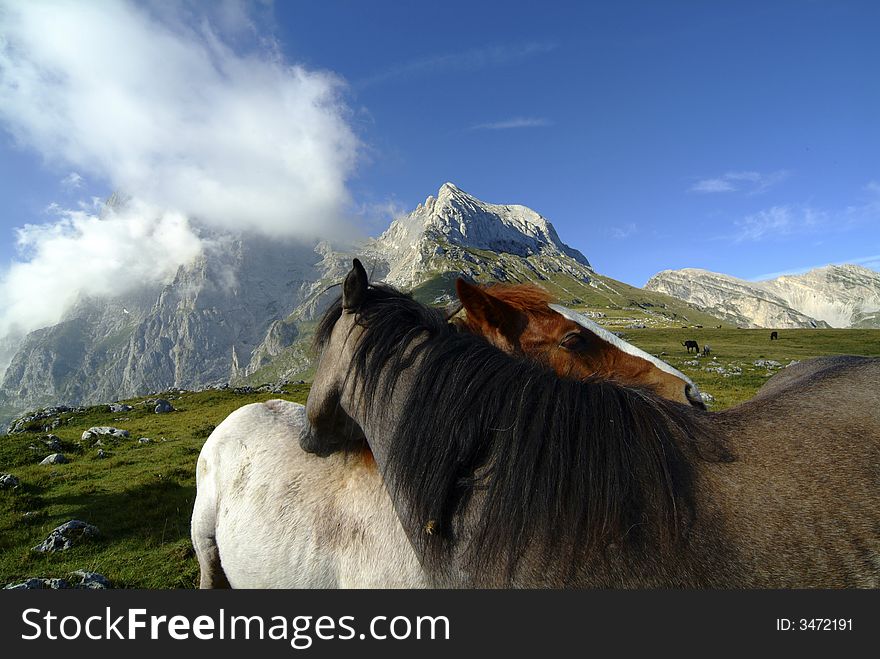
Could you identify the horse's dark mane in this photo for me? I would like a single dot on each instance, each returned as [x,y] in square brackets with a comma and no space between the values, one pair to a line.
[563,468]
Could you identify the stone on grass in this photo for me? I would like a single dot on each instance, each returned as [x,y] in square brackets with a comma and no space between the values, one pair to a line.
[163,406]
[67,535]
[8,482]
[52,443]
[54,459]
[97,431]
[87,581]
[144,440]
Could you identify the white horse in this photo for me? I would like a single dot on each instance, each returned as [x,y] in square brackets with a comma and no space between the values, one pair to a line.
[269,515]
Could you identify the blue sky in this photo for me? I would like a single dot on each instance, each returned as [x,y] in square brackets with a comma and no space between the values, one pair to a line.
[738,137]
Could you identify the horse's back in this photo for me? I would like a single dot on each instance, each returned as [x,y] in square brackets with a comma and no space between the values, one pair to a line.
[805,485]
[288,519]
[849,374]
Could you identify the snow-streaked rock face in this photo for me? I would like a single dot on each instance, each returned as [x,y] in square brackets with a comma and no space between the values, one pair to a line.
[421,241]
[833,296]
[841,295]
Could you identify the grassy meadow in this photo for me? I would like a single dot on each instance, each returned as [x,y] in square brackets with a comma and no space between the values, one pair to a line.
[141,496]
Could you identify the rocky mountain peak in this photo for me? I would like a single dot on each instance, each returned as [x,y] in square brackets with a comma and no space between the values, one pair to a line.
[455,219]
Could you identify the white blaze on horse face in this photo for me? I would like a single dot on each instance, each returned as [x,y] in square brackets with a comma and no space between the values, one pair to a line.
[692,393]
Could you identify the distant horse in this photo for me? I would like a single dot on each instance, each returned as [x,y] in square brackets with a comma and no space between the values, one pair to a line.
[691,344]
[706,350]
[269,515]
[774,335]
[504,474]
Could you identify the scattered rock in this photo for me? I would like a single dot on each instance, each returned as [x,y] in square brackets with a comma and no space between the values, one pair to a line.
[8,482]
[163,406]
[36,583]
[25,423]
[88,581]
[707,397]
[144,440]
[54,459]
[97,442]
[67,535]
[53,443]
[91,580]
[793,362]
[97,431]
[102,454]
[767,363]
[116,408]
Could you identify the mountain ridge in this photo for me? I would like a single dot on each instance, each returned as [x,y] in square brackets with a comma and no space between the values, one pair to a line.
[841,296]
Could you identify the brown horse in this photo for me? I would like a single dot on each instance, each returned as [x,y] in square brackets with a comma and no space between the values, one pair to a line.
[268,515]
[504,474]
[522,319]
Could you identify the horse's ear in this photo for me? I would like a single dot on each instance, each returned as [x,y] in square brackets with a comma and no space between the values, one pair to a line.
[484,308]
[354,289]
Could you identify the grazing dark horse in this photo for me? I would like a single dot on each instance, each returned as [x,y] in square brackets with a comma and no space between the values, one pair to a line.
[504,474]
[774,335]
[691,344]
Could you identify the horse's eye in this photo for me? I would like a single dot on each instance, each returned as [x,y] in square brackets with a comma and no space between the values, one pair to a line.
[573,341]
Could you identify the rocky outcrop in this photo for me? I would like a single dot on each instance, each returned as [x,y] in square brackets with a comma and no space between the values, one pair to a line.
[104,431]
[87,581]
[840,295]
[67,535]
[786,302]
[54,459]
[8,482]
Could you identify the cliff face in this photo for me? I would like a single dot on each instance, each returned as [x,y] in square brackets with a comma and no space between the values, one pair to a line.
[182,334]
[833,296]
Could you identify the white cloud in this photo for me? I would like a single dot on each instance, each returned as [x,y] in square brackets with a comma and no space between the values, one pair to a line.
[195,115]
[72,181]
[623,232]
[174,115]
[786,220]
[88,254]
[712,185]
[516,122]
[470,60]
[780,221]
[749,182]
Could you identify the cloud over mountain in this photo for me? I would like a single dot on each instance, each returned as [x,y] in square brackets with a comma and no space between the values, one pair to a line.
[188,110]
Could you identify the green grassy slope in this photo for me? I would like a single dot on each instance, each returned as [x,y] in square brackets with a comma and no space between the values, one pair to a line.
[140,497]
